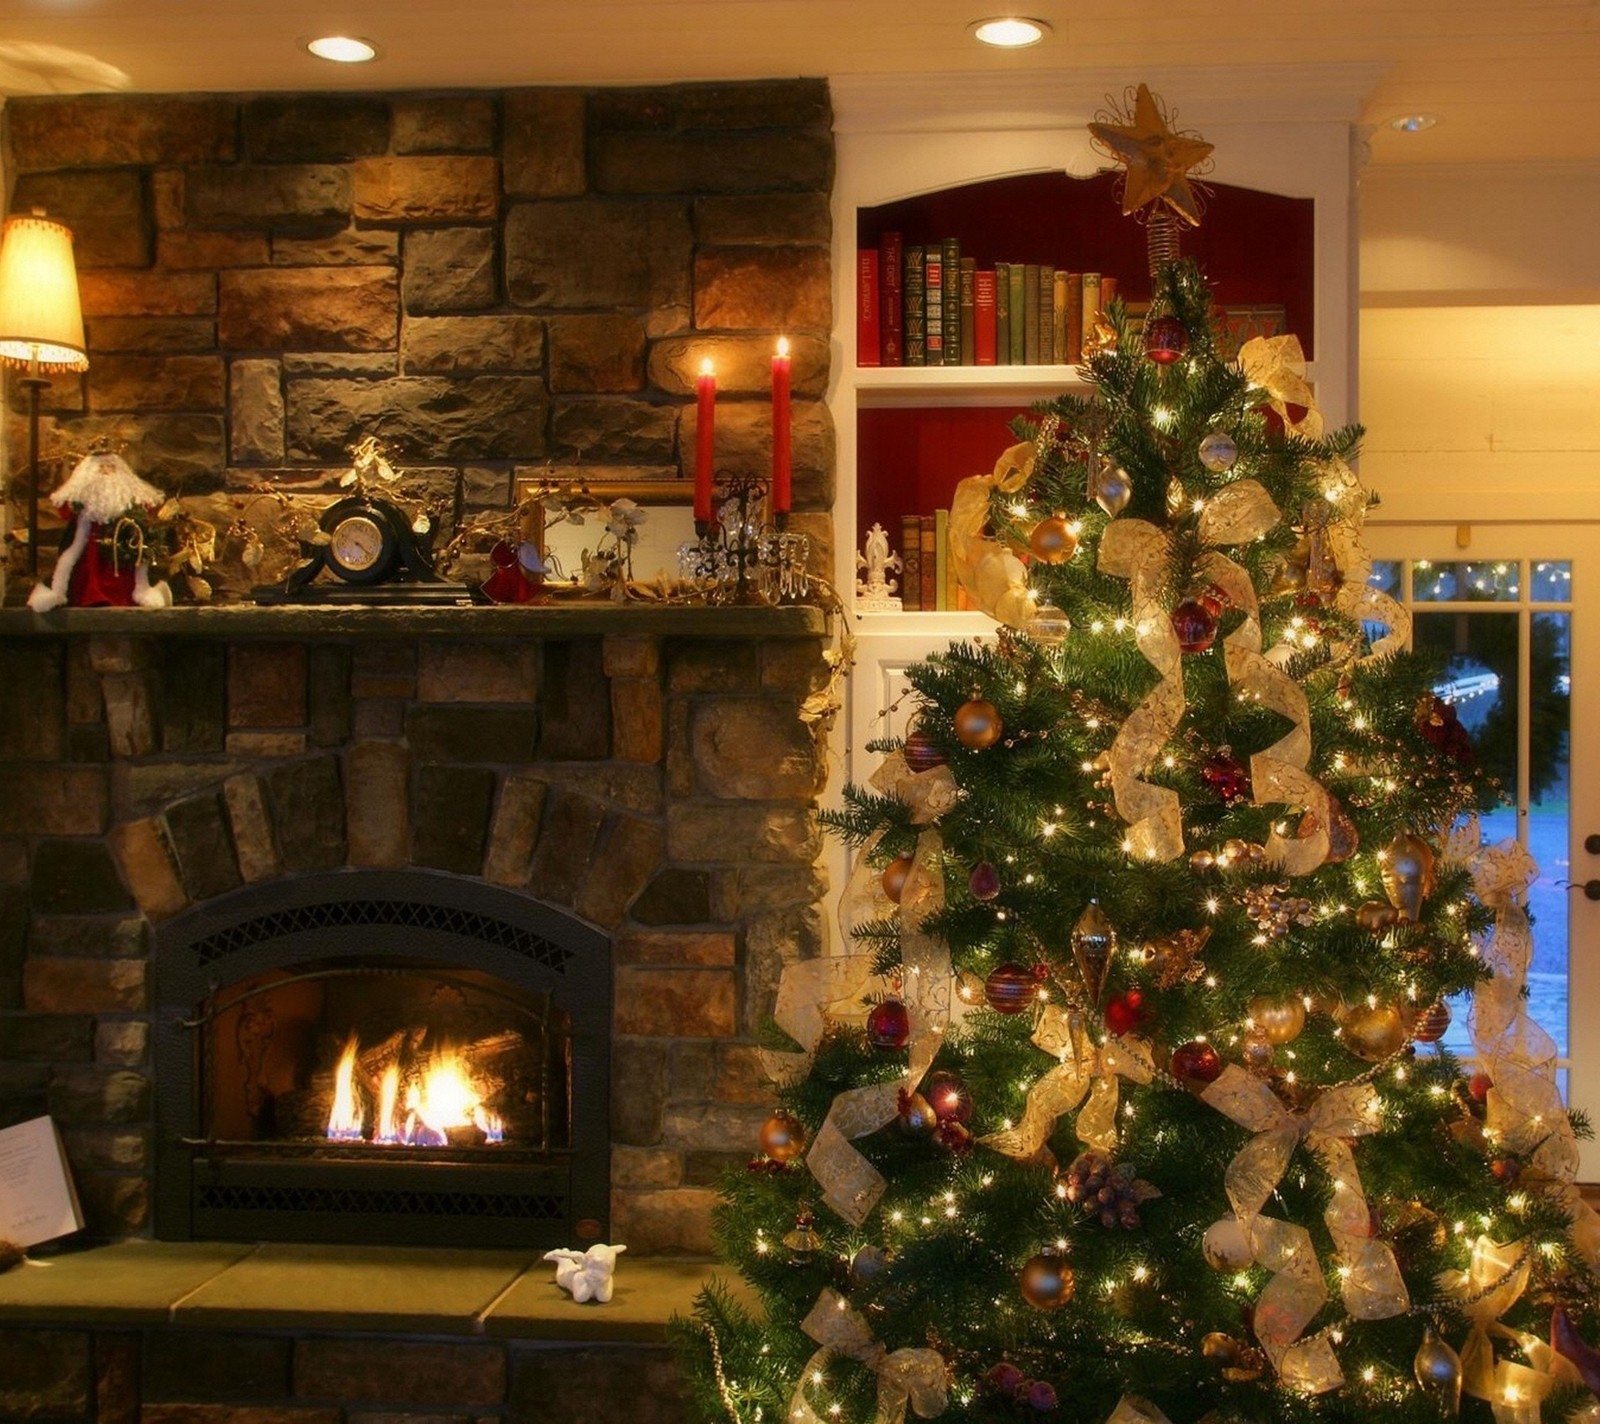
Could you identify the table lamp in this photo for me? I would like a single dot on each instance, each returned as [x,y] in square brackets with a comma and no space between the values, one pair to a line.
[41,326]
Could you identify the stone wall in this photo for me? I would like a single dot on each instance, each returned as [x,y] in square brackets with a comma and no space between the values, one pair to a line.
[172,1376]
[660,789]
[493,283]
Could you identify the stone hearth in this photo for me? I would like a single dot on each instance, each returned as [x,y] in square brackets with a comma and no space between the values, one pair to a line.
[656,785]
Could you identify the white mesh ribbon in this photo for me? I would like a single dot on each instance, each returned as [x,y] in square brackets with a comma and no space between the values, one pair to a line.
[913,1377]
[1131,1409]
[1373,1288]
[995,579]
[1082,1072]
[1357,599]
[1278,365]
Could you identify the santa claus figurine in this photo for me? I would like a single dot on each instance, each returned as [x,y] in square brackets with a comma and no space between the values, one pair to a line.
[101,491]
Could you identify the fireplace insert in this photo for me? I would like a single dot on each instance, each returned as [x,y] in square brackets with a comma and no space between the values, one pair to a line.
[404,1057]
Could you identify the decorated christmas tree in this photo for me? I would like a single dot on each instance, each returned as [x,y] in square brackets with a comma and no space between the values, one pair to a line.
[1128,1099]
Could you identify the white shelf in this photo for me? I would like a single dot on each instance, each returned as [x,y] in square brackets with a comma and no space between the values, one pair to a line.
[882,386]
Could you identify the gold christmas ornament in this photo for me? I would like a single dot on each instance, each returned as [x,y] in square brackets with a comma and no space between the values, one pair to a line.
[1094,941]
[1175,958]
[1408,874]
[783,1138]
[894,876]
[1438,1371]
[1374,1033]
[1376,918]
[1225,1245]
[1049,625]
[978,724]
[1157,160]
[1053,540]
[1047,1281]
[1279,1021]
[1343,837]
[803,1241]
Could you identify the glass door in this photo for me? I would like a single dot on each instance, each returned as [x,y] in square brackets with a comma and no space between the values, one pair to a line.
[1504,607]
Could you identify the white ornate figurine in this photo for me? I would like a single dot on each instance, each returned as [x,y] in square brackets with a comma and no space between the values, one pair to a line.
[876,559]
[586,1274]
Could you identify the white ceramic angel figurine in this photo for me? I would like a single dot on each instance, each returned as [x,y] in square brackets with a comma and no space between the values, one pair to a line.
[876,559]
[586,1274]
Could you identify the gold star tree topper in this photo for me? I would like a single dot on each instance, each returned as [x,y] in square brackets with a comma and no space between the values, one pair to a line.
[1158,161]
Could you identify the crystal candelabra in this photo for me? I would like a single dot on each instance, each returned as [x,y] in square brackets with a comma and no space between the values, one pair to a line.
[738,557]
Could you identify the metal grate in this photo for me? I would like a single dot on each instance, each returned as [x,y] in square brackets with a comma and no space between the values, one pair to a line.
[382,1202]
[406,914]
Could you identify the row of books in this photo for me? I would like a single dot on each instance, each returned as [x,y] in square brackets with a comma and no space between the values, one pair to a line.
[930,306]
[928,580]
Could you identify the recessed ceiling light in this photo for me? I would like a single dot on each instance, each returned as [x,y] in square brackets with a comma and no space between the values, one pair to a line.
[1413,123]
[343,49]
[1009,31]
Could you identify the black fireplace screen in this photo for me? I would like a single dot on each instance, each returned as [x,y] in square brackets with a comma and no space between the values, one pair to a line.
[383,1057]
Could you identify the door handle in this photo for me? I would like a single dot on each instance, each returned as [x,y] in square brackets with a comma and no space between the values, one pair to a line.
[1592,844]
[1590,888]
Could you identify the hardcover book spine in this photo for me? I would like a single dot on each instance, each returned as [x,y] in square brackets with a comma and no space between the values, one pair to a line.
[1091,307]
[1059,307]
[867,348]
[891,305]
[1030,309]
[984,316]
[933,303]
[914,327]
[952,302]
[928,541]
[1002,313]
[1074,318]
[946,565]
[1047,317]
[1017,286]
[911,557]
[969,298]
[1108,293]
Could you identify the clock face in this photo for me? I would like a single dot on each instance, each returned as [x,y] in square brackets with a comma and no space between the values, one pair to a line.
[356,544]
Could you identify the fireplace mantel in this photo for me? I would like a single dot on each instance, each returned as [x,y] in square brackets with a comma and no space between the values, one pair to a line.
[295,623]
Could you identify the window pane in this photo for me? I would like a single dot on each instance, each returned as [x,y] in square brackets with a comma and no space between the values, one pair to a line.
[1552,581]
[1464,582]
[1548,814]
[1385,576]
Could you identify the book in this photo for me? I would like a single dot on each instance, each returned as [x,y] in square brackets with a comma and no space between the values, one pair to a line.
[867,338]
[1002,313]
[1074,318]
[38,1201]
[946,566]
[933,302]
[911,559]
[1091,310]
[928,570]
[891,300]
[913,326]
[1047,318]
[1019,307]
[1030,314]
[1108,293]
[969,297]
[1240,324]
[1059,308]
[952,302]
[984,330]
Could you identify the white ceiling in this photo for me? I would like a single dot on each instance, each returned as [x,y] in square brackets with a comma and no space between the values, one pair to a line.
[1510,80]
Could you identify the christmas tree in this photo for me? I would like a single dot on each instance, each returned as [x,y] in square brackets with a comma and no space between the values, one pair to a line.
[1128,1102]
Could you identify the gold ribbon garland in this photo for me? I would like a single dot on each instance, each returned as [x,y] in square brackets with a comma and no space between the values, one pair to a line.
[1082,1072]
[1372,1288]
[995,579]
[1277,364]
[914,1377]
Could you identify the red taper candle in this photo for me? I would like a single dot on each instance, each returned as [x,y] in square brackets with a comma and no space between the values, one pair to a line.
[705,387]
[780,428]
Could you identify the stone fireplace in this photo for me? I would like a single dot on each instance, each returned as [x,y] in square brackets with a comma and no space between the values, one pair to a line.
[575,861]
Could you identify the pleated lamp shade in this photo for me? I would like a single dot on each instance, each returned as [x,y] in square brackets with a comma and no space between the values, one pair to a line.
[40,319]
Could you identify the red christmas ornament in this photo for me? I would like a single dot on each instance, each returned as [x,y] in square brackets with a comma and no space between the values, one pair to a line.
[953,1136]
[1003,1379]
[1009,989]
[1215,598]
[1227,776]
[949,1096]
[1195,1064]
[1165,339]
[1432,1023]
[1478,1085]
[888,1026]
[984,882]
[1039,1396]
[1125,1012]
[1195,625]
[1505,1170]
[922,753]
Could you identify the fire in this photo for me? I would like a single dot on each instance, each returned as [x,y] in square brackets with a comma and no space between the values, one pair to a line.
[344,1118]
[439,1097]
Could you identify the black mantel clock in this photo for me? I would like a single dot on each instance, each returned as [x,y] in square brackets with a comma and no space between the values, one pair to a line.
[371,553]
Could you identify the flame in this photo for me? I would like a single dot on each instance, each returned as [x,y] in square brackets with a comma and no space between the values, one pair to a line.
[441,1097]
[344,1119]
